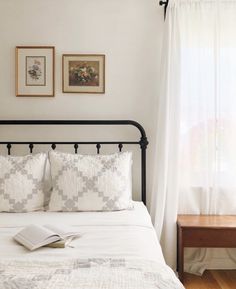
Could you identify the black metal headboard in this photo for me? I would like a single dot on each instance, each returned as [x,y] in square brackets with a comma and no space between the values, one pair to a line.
[142,142]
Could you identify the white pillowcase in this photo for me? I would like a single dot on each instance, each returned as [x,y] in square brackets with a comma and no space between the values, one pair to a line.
[22,183]
[91,182]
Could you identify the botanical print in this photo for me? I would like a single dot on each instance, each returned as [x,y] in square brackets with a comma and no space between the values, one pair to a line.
[35,70]
[83,73]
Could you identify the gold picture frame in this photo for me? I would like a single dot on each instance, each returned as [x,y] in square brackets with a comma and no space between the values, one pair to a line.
[83,73]
[35,70]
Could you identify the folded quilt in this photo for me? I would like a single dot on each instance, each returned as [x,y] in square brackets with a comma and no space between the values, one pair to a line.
[86,274]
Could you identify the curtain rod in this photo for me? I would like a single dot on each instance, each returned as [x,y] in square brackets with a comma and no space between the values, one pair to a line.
[165,3]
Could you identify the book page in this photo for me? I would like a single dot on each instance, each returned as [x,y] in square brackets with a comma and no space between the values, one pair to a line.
[62,232]
[34,236]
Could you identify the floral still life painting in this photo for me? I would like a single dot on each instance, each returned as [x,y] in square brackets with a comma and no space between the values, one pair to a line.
[35,70]
[83,73]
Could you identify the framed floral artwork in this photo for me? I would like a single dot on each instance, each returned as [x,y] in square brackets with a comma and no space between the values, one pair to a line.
[35,66]
[83,73]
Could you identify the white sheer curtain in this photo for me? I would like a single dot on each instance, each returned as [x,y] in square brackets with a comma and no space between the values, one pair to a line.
[196,134]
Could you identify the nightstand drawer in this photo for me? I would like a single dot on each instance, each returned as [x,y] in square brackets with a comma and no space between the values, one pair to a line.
[209,237]
[204,231]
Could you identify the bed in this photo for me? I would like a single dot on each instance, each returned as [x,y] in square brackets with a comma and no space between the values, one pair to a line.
[116,249]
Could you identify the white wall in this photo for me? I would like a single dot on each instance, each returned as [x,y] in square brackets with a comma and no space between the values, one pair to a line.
[128,32]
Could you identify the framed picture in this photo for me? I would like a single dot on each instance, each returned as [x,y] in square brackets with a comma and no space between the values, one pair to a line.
[35,67]
[83,73]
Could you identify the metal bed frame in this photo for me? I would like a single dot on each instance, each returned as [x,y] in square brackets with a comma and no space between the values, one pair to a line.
[142,142]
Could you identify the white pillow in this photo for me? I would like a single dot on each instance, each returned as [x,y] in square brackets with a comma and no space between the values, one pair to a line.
[90,182]
[22,183]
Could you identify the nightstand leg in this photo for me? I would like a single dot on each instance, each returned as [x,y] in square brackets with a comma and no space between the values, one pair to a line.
[180,254]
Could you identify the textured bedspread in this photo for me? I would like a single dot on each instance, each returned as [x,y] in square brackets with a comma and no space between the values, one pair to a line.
[116,250]
[94,273]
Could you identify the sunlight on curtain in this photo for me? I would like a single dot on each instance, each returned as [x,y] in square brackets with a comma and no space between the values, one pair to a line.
[204,33]
[208,107]
[208,118]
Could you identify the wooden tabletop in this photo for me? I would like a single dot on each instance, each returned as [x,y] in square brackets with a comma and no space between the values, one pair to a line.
[207,221]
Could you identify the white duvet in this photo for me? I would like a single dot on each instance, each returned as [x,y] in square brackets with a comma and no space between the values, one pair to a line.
[116,244]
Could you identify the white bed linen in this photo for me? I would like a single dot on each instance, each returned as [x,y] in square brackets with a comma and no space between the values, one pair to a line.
[128,234]
[116,250]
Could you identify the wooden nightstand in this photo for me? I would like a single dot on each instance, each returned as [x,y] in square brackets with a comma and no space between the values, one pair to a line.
[208,231]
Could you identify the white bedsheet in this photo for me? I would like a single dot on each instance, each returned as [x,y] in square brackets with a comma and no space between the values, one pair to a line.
[127,234]
[116,250]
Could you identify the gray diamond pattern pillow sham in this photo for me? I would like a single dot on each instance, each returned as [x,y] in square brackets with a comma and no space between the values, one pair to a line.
[91,182]
[22,183]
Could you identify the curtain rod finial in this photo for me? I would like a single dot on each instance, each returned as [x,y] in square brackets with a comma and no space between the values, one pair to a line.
[165,3]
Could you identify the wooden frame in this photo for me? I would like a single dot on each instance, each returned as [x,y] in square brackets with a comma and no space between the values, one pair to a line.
[83,73]
[35,70]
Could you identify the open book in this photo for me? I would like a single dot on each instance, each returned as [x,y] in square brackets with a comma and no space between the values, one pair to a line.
[35,236]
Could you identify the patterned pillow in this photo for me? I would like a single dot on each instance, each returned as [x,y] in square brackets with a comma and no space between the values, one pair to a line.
[90,182]
[22,183]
